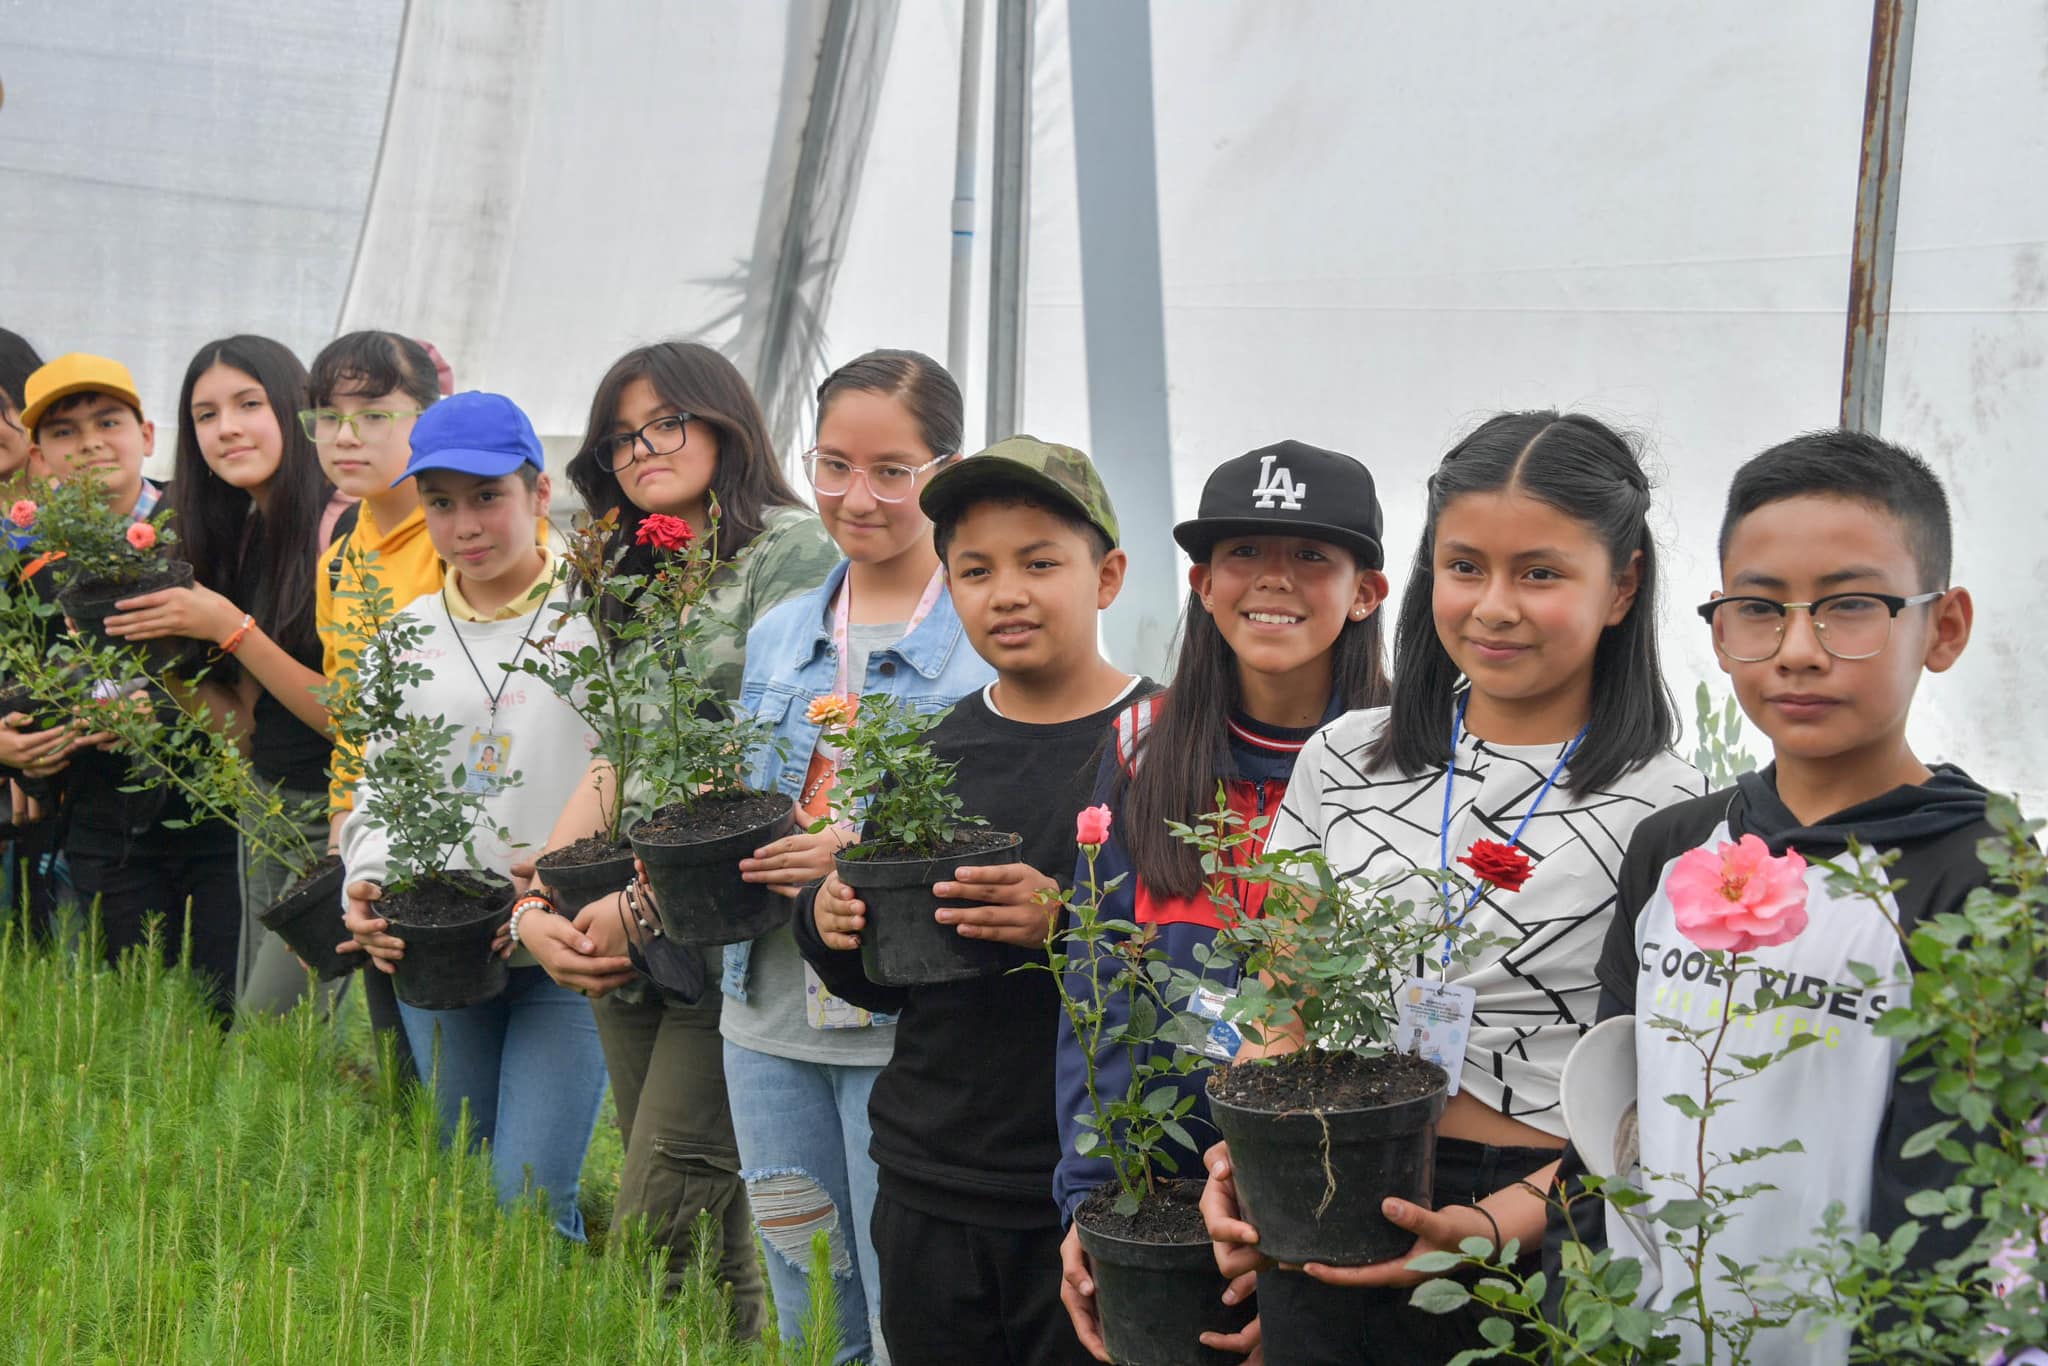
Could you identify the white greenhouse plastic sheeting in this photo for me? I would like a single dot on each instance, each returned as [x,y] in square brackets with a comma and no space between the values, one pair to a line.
[1379,223]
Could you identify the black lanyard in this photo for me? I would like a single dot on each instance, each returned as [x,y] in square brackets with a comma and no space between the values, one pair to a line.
[524,636]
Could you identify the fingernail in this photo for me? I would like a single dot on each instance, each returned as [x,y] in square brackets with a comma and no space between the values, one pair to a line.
[1230,1297]
[1394,1209]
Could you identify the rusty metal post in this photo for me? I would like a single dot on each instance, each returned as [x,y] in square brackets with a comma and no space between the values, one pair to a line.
[1877,212]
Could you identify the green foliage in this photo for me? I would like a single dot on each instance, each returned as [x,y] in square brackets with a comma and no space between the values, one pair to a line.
[1328,952]
[1719,756]
[903,791]
[1116,989]
[413,788]
[176,1194]
[74,517]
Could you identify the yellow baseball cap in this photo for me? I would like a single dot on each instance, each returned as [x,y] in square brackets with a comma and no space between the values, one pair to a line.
[76,373]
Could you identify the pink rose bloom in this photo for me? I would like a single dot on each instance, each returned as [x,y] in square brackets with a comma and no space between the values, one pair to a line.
[22,514]
[1738,897]
[141,535]
[1091,826]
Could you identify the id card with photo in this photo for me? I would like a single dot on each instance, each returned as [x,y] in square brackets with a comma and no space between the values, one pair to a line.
[1434,1019]
[488,760]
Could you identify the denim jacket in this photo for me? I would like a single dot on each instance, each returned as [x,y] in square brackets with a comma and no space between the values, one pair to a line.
[791,660]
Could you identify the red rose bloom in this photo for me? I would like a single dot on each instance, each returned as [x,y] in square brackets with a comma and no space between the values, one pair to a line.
[1502,865]
[664,532]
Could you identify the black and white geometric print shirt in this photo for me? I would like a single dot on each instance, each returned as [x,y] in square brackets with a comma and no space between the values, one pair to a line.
[1536,987]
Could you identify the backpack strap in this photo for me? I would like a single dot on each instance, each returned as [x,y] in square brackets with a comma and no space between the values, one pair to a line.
[344,527]
[1131,726]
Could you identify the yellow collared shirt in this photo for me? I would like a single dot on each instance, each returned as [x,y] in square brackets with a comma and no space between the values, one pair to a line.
[460,608]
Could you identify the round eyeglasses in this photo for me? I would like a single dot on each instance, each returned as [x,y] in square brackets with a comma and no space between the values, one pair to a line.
[890,481]
[370,426]
[662,436]
[1847,625]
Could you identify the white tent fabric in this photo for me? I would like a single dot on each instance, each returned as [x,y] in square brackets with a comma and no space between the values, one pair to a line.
[1379,222]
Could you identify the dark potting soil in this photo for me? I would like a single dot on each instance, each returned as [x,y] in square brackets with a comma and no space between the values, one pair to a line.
[710,818]
[451,899]
[970,841]
[1311,1080]
[320,868]
[1170,1214]
[590,849]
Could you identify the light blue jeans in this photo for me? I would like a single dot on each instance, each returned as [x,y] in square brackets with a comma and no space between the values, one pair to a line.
[803,1136]
[529,1064]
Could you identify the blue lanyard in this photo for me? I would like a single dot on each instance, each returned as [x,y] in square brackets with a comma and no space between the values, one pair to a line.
[1443,837]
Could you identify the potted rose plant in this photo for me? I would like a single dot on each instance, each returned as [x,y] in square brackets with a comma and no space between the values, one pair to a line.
[1157,1289]
[1337,1117]
[100,557]
[913,835]
[693,757]
[611,682]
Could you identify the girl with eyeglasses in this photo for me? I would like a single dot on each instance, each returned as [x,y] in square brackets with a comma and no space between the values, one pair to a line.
[672,427]
[248,492]
[800,1062]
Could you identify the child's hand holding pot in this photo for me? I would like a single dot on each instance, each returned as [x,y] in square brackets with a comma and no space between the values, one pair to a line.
[360,919]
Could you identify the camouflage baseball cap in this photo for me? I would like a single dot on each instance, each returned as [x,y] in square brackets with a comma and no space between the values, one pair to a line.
[1059,472]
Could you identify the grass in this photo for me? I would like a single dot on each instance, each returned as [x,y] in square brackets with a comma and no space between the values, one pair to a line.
[170,1193]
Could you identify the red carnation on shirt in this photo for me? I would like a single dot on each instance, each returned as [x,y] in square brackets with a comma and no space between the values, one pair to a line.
[1502,865]
[664,532]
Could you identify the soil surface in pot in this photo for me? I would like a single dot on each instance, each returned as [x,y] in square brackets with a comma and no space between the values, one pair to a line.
[1170,1214]
[449,899]
[710,818]
[963,843]
[1327,1081]
[588,850]
[322,866]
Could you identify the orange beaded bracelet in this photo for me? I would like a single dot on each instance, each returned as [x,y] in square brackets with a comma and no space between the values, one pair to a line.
[228,646]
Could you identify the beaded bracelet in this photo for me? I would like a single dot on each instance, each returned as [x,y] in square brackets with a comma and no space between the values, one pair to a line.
[234,640]
[532,901]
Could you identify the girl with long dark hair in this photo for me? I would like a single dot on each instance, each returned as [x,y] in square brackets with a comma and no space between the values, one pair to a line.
[672,426]
[1280,635]
[1529,705]
[248,492]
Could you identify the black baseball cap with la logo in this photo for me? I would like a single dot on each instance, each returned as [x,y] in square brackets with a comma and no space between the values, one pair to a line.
[1289,489]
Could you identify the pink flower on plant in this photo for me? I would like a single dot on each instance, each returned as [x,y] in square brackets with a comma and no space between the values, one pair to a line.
[1738,896]
[23,513]
[1091,826]
[142,535]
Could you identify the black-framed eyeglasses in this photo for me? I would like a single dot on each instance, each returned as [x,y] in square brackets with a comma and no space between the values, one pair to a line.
[662,436]
[891,481]
[1848,625]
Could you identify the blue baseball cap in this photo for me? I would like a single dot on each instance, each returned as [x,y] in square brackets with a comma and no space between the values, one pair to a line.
[473,433]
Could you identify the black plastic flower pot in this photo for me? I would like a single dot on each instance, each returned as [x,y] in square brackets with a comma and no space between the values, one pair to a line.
[1311,1172]
[693,858]
[904,945]
[308,919]
[577,879]
[1158,1293]
[89,603]
[448,923]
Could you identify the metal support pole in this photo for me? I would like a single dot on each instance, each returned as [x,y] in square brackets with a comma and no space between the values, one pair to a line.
[1009,216]
[966,152]
[1877,212]
[1123,314]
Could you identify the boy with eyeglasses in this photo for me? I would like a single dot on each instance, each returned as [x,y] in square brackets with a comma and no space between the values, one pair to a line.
[1835,550]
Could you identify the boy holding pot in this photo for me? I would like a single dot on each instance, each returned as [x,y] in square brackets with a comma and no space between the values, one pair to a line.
[965,1228]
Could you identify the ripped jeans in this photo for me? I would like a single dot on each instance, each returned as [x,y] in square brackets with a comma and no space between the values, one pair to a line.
[803,1132]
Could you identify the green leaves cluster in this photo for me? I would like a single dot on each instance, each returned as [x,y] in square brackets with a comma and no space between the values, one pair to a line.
[889,778]
[74,517]
[1118,992]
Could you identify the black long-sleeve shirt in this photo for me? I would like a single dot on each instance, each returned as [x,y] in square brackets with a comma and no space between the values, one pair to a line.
[963,1114]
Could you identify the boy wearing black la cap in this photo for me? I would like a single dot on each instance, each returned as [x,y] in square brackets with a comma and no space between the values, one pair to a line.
[965,1229]
[1280,635]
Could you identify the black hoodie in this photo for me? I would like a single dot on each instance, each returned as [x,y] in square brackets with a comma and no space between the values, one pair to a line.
[1935,827]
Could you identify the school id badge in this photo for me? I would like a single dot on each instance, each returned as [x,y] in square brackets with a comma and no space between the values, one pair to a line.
[488,760]
[1433,1020]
